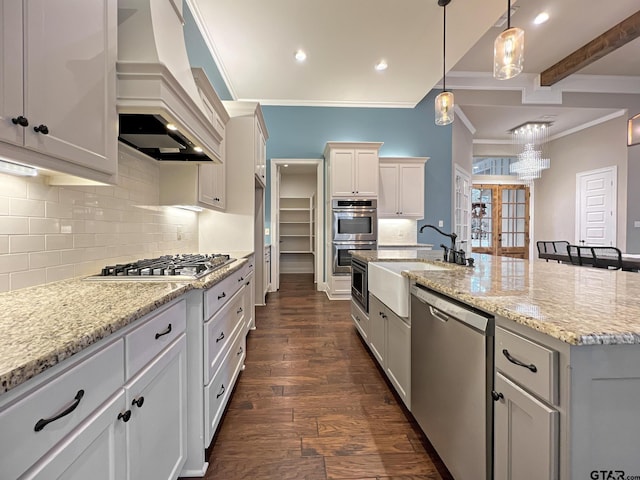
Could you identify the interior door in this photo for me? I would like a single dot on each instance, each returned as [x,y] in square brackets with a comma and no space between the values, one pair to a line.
[500,220]
[596,191]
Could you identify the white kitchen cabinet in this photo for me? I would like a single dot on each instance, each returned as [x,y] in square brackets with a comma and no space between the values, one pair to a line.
[354,169]
[201,185]
[390,343]
[401,188]
[57,86]
[360,320]
[261,149]
[525,434]
[156,430]
[96,449]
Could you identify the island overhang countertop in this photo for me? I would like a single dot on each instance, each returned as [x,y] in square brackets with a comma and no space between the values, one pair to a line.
[577,305]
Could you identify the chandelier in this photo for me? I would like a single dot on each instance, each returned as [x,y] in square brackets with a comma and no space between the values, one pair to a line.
[530,141]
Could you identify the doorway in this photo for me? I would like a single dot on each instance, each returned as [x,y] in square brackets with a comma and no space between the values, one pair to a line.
[500,220]
[297,227]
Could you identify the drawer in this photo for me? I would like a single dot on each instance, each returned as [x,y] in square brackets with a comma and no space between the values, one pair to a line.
[217,393]
[149,339]
[539,374]
[219,332]
[218,295]
[98,377]
[361,320]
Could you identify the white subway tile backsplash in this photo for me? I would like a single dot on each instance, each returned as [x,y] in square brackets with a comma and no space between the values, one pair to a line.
[14,262]
[14,225]
[28,278]
[26,208]
[58,242]
[44,259]
[26,243]
[77,230]
[44,225]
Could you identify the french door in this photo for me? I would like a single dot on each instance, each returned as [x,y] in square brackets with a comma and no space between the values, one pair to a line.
[500,220]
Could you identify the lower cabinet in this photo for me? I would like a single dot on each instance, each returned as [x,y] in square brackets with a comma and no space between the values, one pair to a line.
[360,320]
[525,434]
[95,450]
[390,342]
[156,432]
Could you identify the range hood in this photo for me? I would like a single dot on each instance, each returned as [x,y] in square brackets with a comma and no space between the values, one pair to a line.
[159,106]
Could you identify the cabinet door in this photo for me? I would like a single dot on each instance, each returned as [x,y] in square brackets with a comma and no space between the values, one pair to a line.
[388,198]
[156,432]
[260,153]
[11,93]
[366,171]
[377,329]
[211,185]
[95,450]
[69,80]
[342,171]
[526,435]
[411,190]
[399,356]
[249,301]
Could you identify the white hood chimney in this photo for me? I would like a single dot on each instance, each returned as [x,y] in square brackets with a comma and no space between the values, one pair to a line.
[156,86]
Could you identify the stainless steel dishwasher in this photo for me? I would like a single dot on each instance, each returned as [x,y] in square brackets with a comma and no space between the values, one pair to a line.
[451,381]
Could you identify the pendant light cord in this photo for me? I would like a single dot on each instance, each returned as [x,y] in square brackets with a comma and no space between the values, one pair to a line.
[508,14]
[444,49]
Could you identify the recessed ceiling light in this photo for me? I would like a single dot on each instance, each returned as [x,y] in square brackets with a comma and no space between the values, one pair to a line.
[541,18]
[171,126]
[381,65]
[198,149]
[286,165]
[301,56]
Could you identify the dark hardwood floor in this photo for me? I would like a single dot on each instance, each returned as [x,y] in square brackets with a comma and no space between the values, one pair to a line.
[312,404]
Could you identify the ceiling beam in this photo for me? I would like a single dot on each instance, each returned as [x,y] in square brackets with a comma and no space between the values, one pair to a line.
[615,37]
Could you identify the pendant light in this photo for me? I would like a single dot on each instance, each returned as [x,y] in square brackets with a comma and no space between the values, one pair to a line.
[444,101]
[508,51]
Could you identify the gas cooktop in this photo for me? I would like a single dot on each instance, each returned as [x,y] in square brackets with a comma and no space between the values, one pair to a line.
[178,267]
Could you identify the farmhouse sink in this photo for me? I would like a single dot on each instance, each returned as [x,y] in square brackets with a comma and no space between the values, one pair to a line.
[390,287]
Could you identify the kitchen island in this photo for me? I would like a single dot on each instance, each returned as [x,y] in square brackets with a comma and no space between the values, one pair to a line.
[568,405]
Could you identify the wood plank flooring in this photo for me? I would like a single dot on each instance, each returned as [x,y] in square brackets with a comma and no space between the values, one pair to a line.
[312,403]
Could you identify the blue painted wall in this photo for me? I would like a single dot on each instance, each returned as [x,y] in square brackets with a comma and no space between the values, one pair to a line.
[302,132]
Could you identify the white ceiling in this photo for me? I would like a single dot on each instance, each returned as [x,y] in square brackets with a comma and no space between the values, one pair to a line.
[254,42]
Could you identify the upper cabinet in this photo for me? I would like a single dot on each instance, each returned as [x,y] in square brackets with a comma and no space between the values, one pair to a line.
[401,187]
[353,169]
[261,149]
[57,86]
[202,185]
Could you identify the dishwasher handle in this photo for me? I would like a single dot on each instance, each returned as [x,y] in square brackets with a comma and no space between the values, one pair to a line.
[438,314]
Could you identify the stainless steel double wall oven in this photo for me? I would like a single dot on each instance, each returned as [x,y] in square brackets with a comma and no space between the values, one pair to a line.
[354,227]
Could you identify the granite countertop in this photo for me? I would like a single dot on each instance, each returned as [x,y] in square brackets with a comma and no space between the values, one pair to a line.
[43,325]
[577,305]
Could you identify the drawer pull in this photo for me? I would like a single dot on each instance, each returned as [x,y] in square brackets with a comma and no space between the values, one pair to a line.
[43,129]
[125,416]
[496,395]
[515,361]
[240,351]
[241,279]
[239,311]
[40,424]
[166,332]
[138,402]
[20,120]
[221,337]
[357,318]
[221,392]
[220,297]
[247,284]
[382,314]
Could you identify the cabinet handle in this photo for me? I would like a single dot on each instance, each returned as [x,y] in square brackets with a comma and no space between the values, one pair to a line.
[125,416]
[43,129]
[515,361]
[222,296]
[357,318]
[382,314]
[43,422]
[241,279]
[20,120]
[239,311]
[248,283]
[138,402]
[221,337]
[166,331]
[240,351]
[221,392]
[496,396]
